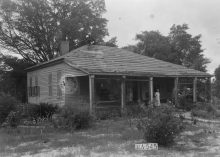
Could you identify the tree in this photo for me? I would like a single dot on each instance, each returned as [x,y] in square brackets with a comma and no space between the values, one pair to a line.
[187,49]
[34,28]
[111,42]
[13,77]
[132,48]
[153,44]
[178,47]
[217,82]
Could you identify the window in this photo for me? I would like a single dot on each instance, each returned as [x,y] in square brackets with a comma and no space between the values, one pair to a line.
[59,91]
[36,88]
[33,90]
[50,84]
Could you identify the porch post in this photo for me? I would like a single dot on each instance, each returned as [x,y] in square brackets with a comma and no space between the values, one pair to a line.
[151,93]
[91,93]
[139,91]
[123,95]
[194,90]
[176,82]
[210,89]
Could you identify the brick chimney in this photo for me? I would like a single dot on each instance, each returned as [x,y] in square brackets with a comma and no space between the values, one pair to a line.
[64,47]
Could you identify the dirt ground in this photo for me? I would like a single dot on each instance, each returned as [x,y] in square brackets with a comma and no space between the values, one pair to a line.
[109,138]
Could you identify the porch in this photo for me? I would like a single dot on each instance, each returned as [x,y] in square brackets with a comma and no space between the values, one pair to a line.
[116,92]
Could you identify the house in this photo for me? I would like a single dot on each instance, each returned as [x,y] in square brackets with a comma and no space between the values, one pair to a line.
[102,77]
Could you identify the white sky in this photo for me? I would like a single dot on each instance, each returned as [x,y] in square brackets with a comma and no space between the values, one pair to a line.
[129,17]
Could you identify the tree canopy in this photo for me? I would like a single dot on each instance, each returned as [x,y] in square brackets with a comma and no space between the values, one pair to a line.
[13,76]
[216,84]
[178,47]
[34,28]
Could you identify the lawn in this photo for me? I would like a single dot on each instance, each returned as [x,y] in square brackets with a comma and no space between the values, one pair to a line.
[106,138]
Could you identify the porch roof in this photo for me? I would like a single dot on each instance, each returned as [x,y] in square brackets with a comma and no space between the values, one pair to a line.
[105,60]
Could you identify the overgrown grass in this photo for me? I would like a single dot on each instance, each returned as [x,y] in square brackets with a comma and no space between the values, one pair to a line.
[206,110]
[104,138]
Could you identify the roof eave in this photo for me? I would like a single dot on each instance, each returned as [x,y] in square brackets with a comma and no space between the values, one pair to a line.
[43,65]
[147,74]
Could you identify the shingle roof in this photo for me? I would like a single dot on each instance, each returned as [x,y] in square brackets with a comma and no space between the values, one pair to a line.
[115,61]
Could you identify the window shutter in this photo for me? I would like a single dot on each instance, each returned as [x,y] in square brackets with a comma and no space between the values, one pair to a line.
[50,84]
[30,86]
[59,92]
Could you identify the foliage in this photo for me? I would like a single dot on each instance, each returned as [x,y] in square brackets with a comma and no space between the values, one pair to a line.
[13,119]
[111,42]
[216,84]
[161,125]
[13,77]
[205,110]
[178,47]
[107,113]
[187,49]
[153,42]
[185,102]
[135,110]
[216,102]
[7,104]
[43,110]
[73,118]
[35,28]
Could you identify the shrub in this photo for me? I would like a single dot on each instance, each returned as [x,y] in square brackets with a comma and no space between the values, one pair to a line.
[205,110]
[200,113]
[161,126]
[134,110]
[73,118]
[13,119]
[104,114]
[7,104]
[43,110]
[185,103]
[82,120]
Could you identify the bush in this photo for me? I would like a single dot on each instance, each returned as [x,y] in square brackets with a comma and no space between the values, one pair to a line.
[43,110]
[185,103]
[134,110]
[161,126]
[13,119]
[205,110]
[104,114]
[200,113]
[7,104]
[72,118]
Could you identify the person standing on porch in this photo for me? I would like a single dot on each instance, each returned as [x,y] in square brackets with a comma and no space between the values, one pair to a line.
[157,98]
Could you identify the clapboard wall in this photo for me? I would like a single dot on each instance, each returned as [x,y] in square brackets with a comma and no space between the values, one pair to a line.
[42,76]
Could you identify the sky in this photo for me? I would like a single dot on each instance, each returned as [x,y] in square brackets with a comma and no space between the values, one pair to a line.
[126,18]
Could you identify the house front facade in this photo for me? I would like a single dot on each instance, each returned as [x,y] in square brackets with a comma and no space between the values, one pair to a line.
[102,77]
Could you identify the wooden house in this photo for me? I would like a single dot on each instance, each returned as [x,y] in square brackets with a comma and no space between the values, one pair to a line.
[104,77]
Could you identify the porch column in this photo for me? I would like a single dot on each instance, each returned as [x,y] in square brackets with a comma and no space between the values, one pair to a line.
[151,93]
[176,81]
[139,91]
[123,95]
[210,89]
[91,93]
[194,90]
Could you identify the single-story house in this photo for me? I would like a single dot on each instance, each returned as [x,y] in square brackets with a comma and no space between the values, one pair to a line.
[102,77]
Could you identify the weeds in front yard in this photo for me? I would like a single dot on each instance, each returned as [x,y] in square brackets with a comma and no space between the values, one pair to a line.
[160,126]
[205,110]
[70,117]
[105,138]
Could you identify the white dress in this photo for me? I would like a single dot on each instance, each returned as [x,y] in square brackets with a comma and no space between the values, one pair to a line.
[157,98]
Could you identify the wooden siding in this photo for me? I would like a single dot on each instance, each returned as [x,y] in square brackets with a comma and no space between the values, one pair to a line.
[43,75]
